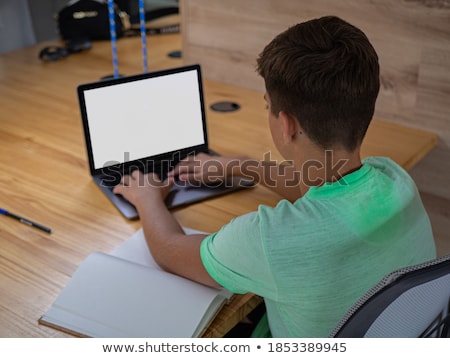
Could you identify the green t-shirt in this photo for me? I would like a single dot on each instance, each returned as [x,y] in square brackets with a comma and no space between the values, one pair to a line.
[312,259]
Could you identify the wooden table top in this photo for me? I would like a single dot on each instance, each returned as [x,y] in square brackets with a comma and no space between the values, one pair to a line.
[45,175]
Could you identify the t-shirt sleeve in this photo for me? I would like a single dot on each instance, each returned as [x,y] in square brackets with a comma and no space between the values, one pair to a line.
[235,257]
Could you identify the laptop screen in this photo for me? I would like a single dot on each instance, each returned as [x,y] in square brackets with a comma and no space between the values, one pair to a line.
[143,116]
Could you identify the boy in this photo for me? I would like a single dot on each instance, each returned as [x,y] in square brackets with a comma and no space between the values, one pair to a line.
[344,224]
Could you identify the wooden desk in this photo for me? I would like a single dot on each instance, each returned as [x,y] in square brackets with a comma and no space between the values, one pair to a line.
[44,174]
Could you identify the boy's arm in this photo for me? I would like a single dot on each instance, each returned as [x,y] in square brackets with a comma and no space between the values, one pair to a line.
[204,168]
[172,249]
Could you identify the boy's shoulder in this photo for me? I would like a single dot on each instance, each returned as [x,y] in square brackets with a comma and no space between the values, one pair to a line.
[383,164]
[388,167]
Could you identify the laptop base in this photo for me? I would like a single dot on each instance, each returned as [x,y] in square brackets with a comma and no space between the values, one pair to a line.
[181,194]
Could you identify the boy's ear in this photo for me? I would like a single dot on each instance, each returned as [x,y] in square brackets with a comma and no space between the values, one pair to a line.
[289,126]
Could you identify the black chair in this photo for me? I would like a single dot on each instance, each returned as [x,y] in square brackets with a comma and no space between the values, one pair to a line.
[409,302]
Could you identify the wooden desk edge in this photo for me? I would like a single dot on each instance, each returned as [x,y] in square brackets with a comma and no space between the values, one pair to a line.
[427,147]
[427,143]
[230,314]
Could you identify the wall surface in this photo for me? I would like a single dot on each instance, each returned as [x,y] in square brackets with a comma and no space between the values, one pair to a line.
[26,22]
[16,29]
[44,18]
[412,38]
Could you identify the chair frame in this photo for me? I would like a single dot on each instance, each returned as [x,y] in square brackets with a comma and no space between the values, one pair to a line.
[363,314]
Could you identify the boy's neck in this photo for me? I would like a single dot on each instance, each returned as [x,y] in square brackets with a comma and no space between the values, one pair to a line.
[319,166]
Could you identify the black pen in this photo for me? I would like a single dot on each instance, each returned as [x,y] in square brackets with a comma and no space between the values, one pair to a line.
[25,221]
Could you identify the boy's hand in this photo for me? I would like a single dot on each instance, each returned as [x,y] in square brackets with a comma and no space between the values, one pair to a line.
[139,187]
[204,168]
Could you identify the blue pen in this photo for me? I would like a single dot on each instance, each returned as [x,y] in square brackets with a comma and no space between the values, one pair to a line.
[25,221]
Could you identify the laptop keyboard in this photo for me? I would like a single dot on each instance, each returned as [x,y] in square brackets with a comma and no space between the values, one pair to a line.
[110,180]
[113,178]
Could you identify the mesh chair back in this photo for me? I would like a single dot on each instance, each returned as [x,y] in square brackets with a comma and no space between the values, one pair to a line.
[410,302]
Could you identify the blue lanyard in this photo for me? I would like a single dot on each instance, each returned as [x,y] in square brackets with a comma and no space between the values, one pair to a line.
[143,34]
[113,35]
[112,31]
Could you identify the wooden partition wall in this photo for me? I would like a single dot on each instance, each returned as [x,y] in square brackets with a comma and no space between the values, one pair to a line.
[412,38]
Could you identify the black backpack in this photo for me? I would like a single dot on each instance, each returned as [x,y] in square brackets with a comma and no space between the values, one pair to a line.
[89,20]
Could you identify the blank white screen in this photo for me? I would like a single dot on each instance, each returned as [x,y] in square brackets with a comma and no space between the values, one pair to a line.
[134,120]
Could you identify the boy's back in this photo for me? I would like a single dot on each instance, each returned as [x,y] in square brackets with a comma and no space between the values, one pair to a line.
[324,251]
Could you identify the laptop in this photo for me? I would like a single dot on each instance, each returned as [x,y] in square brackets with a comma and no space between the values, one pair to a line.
[148,122]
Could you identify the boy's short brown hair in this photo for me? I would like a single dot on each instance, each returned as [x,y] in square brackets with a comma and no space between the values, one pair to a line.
[325,72]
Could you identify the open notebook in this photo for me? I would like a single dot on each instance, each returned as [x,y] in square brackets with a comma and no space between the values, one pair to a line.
[126,294]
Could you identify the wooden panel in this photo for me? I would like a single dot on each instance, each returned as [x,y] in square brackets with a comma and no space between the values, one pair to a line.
[412,38]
